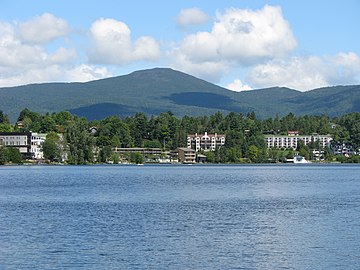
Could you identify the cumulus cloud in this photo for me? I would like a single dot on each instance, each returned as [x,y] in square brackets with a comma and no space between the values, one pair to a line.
[85,73]
[238,37]
[238,86]
[24,62]
[43,29]
[54,73]
[13,53]
[306,73]
[191,16]
[112,44]
[208,70]
[247,35]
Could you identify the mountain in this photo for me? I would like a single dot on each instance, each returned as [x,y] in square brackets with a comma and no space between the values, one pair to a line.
[161,89]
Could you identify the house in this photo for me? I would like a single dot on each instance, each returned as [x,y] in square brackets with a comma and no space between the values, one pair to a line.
[186,155]
[293,132]
[93,130]
[206,142]
[143,151]
[19,140]
[28,143]
[200,158]
[37,139]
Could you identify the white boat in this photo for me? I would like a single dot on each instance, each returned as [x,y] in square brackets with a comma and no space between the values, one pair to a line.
[300,159]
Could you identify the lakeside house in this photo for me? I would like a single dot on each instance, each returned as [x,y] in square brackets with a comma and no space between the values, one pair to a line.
[37,139]
[29,144]
[186,155]
[19,140]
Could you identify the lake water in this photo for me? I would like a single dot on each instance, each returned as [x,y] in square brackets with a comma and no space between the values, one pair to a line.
[180,217]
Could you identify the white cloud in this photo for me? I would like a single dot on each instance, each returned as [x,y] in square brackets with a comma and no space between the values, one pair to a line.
[55,73]
[15,54]
[238,86]
[208,70]
[191,16]
[84,73]
[42,29]
[238,37]
[63,56]
[247,36]
[113,45]
[306,73]
[22,62]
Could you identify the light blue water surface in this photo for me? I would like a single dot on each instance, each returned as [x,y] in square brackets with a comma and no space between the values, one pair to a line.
[180,217]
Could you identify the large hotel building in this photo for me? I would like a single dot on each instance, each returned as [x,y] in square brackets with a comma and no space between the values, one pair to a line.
[292,139]
[206,142]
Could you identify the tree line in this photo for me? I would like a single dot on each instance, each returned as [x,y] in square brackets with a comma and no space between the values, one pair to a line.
[244,134]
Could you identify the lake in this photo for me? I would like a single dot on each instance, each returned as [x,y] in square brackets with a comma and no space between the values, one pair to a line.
[180,217]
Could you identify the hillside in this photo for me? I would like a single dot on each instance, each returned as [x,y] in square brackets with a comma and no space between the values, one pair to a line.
[156,90]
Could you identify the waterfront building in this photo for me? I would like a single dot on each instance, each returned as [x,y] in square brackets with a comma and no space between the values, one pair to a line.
[19,140]
[186,155]
[29,144]
[206,142]
[37,139]
[143,151]
[291,140]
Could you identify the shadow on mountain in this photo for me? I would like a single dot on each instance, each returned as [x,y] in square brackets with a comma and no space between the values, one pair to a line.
[205,100]
[102,110]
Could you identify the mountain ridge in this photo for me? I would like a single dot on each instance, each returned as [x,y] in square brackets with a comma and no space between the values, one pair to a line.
[153,91]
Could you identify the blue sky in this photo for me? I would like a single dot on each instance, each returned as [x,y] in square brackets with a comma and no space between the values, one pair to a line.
[241,45]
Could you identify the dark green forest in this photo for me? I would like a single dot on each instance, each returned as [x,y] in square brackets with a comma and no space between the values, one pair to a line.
[244,134]
[158,90]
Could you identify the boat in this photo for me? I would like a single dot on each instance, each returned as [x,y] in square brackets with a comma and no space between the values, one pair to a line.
[300,160]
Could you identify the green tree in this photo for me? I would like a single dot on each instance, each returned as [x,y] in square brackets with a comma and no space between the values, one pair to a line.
[253,153]
[136,158]
[5,127]
[47,124]
[232,155]
[139,129]
[115,141]
[4,119]
[303,149]
[51,147]
[327,154]
[210,157]
[152,144]
[13,155]
[3,159]
[35,117]
[105,154]
[81,142]
[115,158]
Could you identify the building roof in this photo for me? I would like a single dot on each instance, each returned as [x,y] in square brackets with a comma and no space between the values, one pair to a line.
[203,135]
[15,133]
[185,149]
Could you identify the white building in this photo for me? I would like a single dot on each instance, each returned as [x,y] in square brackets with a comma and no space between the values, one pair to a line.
[206,142]
[291,140]
[28,143]
[19,140]
[36,145]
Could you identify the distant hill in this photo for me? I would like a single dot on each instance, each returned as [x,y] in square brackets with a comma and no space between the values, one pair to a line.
[161,89]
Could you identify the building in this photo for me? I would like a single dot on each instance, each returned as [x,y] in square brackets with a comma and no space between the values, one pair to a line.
[186,155]
[292,139]
[28,143]
[206,142]
[143,151]
[19,140]
[37,140]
